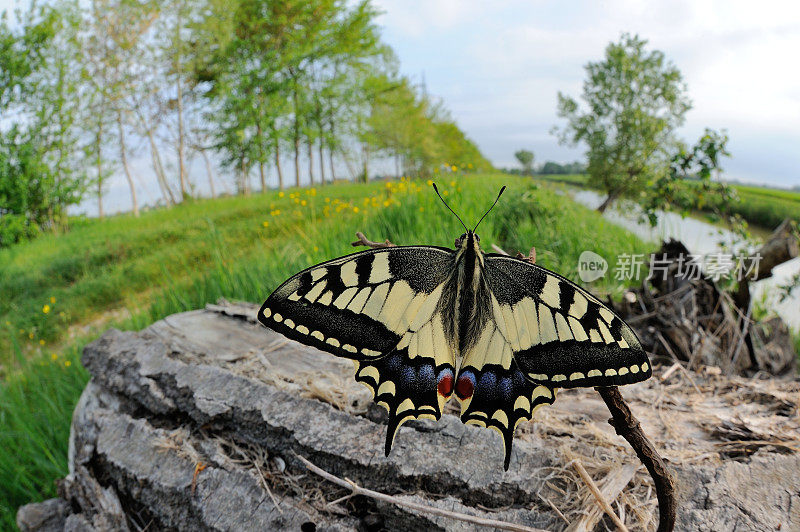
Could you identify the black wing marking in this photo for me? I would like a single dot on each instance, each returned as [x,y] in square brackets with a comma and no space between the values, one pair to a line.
[560,335]
[379,308]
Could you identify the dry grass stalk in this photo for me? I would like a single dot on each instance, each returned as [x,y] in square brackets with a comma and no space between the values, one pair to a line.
[358,490]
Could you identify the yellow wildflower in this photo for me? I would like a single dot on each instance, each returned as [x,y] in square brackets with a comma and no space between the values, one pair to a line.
[53,356]
[316,248]
[265,223]
[304,203]
[296,200]
[422,209]
[386,203]
[281,194]
[67,363]
[41,342]
[430,182]
[52,299]
[8,322]
[327,200]
[30,336]
[355,209]
[46,309]
[454,168]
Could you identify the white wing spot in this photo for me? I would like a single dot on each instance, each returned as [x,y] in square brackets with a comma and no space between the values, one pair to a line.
[315,292]
[623,344]
[333,341]
[380,269]
[605,332]
[318,274]
[606,314]
[559,378]
[547,327]
[349,348]
[277,317]
[576,376]
[358,302]
[345,298]
[645,366]
[579,305]
[386,387]
[577,330]
[374,304]
[289,323]
[551,292]
[538,376]
[370,352]
[267,313]
[564,333]
[611,373]
[408,404]
[623,371]
[294,296]
[302,329]
[349,277]
[318,335]
[594,336]
[594,373]
[634,369]
[326,299]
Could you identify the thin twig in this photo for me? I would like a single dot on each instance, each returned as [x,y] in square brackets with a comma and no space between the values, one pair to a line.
[627,426]
[364,241]
[358,490]
[598,496]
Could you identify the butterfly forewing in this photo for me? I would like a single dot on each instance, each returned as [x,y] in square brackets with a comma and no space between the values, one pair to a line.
[380,308]
[562,336]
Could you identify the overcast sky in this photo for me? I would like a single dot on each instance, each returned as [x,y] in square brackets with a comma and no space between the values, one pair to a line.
[498,66]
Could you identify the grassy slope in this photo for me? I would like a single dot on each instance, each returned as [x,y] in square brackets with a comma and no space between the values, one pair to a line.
[760,206]
[173,260]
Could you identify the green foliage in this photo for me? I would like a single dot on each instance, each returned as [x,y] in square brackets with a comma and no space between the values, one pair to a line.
[407,125]
[698,163]
[552,168]
[634,100]
[39,177]
[525,158]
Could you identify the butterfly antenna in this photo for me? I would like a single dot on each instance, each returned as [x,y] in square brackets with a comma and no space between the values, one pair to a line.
[448,206]
[490,208]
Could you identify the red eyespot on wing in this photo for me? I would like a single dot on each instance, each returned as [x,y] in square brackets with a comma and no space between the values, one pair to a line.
[464,387]
[445,385]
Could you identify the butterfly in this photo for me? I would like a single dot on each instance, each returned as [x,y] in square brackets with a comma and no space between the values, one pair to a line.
[424,323]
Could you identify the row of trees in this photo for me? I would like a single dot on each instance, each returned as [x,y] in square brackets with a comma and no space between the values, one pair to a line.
[87,86]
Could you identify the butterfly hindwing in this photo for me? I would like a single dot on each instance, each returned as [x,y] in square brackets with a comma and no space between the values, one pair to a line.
[561,335]
[381,309]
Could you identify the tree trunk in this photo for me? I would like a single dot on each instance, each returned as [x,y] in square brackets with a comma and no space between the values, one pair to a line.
[210,172]
[296,134]
[126,168]
[99,162]
[296,159]
[166,192]
[365,158]
[612,196]
[330,163]
[181,167]
[278,164]
[321,163]
[310,147]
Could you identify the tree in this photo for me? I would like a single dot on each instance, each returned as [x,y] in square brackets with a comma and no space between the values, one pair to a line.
[525,158]
[634,101]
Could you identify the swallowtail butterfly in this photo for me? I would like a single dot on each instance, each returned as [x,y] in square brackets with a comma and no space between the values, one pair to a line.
[423,323]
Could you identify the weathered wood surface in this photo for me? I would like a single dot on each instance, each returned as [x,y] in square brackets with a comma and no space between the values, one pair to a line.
[195,423]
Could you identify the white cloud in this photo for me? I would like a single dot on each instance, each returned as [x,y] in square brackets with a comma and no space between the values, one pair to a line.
[498,67]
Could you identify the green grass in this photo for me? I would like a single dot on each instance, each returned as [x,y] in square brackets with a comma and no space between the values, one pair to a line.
[179,259]
[762,207]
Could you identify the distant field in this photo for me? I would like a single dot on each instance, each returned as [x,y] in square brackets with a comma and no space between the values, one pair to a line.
[760,206]
[60,291]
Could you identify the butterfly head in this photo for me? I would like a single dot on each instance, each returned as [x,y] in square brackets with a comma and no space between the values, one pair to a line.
[468,240]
